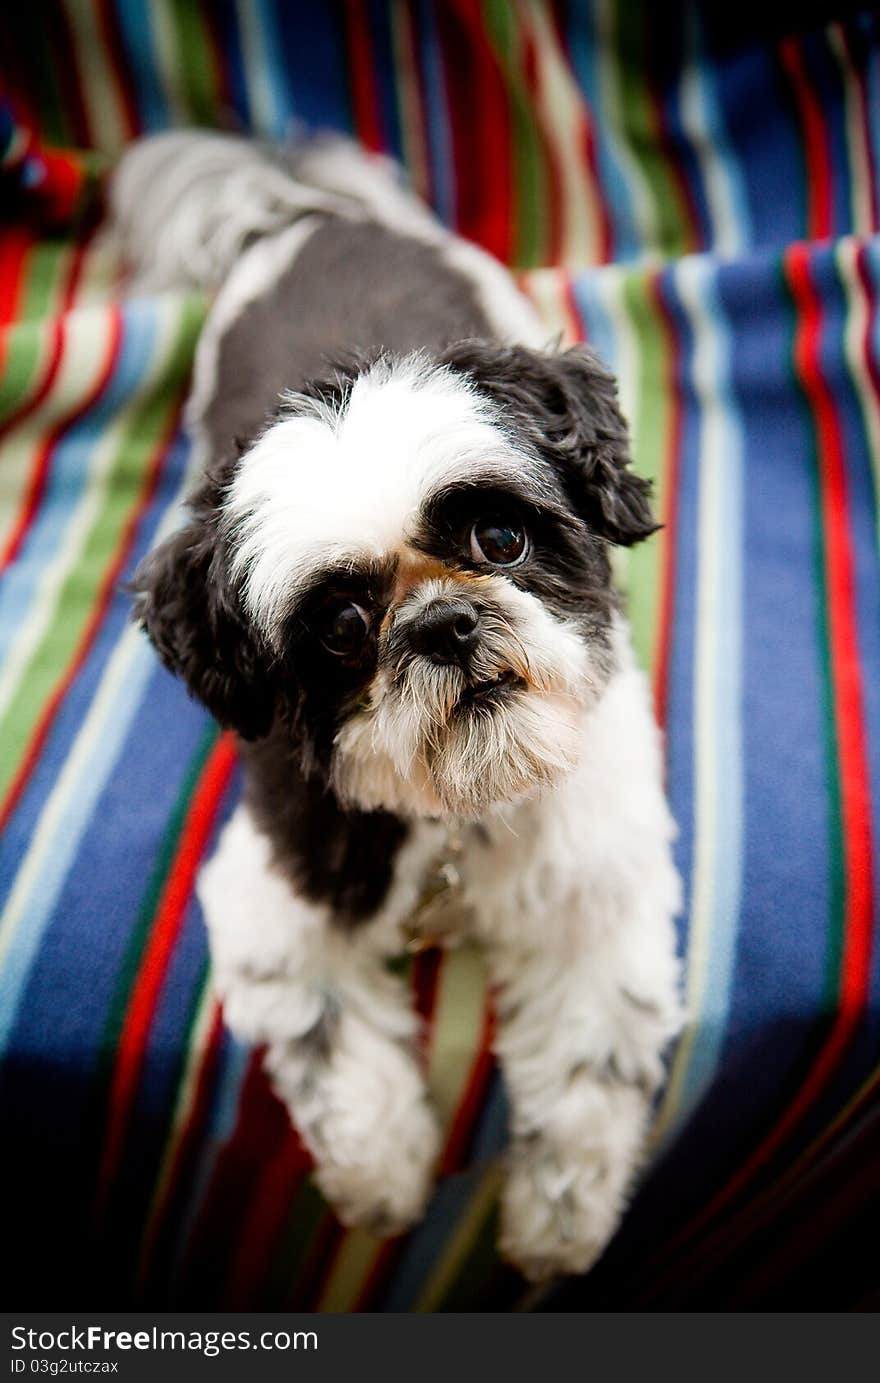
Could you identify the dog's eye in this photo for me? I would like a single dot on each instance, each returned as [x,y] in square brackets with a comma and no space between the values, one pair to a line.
[499,542]
[344,627]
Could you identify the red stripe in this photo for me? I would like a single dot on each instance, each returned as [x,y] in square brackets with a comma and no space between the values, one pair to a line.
[577,325]
[15,246]
[669,517]
[385,1262]
[224,100]
[869,358]
[106,592]
[656,82]
[851,740]
[361,69]
[133,1039]
[587,143]
[815,140]
[845,657]
[416,47]
[480,123]
[426,969]
[42,462]
[28,406]
[264,1222]
[605,247]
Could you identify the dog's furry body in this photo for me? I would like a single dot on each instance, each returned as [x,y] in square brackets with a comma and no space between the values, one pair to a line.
[523,767]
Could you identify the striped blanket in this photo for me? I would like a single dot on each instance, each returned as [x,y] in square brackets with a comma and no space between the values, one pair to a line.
[704,210]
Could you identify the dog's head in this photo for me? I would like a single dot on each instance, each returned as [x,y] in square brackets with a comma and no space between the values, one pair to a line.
[408,571]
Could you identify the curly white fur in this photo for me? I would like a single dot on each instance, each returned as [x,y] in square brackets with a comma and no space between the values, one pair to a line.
[573,896]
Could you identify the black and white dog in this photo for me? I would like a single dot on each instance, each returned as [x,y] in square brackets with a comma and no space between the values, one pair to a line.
[394,584]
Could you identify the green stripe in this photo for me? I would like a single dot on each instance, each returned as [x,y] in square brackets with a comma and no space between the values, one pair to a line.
[641,570]
[830,744]
[640,131]
[527,155]
[305,1220]
[79,592]
[194,70]
[43,270]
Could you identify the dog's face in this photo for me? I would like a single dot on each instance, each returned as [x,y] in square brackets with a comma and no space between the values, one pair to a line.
[408,572]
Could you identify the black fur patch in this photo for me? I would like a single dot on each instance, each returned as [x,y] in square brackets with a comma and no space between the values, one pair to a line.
[344,858]
[193,614]
[563,407]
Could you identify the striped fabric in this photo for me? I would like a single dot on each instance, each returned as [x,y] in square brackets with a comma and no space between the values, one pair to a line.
[705,211]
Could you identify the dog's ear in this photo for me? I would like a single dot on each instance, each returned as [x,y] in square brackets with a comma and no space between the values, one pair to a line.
[563,404]
[191,612]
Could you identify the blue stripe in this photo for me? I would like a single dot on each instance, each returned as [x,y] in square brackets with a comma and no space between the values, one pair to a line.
[384,75]
[720,151]
[583,50]
[142,66]
[767,144]
[225,16]
[721,532]
[267,69]
[320,85]
[437,103]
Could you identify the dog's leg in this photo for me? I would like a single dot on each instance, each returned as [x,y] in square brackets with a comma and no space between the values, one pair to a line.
[580,1040]
[337,1029]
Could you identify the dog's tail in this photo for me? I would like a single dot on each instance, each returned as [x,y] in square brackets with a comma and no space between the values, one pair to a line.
[187,203]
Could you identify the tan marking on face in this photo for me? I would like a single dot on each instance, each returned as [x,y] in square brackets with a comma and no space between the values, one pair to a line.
[413,569]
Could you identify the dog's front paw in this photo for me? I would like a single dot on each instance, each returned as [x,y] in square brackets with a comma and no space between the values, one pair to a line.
[566,1186]
[557,1212]
[381,1181]
[361,1109]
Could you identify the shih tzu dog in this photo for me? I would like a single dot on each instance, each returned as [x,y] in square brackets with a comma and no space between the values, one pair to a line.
[394,584]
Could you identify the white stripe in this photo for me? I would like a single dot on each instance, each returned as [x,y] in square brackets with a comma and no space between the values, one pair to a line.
[702,122]
[717,862]
[854,331]
[560,101]
[611,102]
[860,165]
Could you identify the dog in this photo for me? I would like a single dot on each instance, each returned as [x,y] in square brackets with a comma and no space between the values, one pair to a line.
[394,584]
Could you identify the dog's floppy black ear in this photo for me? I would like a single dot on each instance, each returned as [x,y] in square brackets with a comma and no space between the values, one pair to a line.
[193,615]
[564,405]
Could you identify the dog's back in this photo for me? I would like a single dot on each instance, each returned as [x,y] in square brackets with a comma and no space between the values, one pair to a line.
[321,243]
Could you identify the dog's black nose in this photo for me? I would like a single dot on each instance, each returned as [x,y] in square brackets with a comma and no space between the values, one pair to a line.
[446,630]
